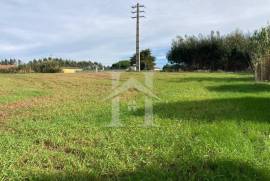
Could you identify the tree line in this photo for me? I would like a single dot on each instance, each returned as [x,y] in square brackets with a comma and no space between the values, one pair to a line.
[47,65]
[213,52]
[233,52]
[10,62]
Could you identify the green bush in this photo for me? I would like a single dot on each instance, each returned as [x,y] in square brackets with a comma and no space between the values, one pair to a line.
[174,68]
[121,65]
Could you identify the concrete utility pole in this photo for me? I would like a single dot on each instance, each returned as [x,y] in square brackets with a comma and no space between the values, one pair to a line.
[137,7]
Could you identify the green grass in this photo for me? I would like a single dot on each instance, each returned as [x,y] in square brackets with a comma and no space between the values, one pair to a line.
[210,126]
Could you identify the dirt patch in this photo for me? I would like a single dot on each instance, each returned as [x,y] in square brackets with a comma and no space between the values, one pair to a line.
[99,75]
[49,145]
[24,104]
[8,109]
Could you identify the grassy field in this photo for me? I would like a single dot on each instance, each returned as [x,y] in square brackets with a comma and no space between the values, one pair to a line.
[210,126]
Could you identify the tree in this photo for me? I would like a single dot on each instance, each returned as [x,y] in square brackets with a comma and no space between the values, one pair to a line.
[147,60]
[121,65]
[237,51]
[261,53]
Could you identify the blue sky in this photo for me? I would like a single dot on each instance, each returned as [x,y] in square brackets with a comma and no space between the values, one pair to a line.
[103,30]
